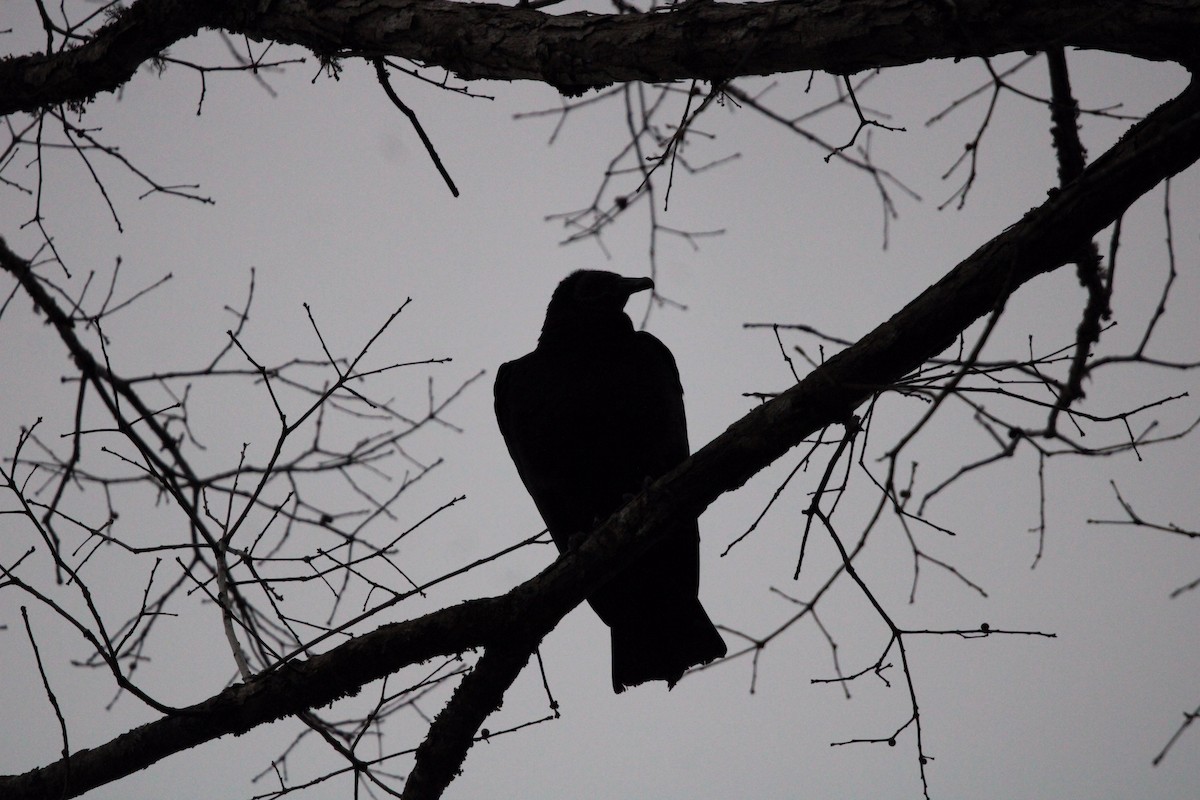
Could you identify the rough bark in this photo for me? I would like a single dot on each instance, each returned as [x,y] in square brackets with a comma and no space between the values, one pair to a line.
[573,52]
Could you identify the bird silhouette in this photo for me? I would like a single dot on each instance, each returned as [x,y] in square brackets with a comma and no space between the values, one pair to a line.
[589,417]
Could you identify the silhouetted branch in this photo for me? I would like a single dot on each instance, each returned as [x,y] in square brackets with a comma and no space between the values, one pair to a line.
[441,754]
[381,74]
[1136,520]
[574,52]
[1188,718]
[1064,110]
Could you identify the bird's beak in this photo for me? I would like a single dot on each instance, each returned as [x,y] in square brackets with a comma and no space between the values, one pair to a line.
[631,286]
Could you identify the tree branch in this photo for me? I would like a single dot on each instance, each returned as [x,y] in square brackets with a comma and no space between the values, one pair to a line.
[574,52]
[1064,111]
[441,754]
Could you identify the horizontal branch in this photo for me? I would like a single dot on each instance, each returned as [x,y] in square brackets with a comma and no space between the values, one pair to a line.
[574,52]
[1160,146]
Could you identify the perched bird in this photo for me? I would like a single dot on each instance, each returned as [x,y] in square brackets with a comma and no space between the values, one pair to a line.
[590,416]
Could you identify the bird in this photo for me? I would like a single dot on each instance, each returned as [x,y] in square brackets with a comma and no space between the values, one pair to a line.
[590,417]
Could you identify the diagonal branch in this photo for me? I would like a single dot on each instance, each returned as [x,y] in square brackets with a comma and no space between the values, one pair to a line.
[439,758]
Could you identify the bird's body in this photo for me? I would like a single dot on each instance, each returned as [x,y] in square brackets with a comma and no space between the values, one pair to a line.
[589,417]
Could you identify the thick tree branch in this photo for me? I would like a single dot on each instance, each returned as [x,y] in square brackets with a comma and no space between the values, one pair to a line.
[573,52]
[1049,236]
[105,62]
[440,756]
[1064,111]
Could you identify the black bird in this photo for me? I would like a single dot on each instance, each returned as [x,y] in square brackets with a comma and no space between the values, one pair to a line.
[589,417]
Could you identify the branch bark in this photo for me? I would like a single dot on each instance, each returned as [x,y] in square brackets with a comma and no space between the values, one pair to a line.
[1047,237]
[574,52]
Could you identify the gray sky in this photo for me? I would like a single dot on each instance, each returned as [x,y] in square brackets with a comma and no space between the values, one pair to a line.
[325,190]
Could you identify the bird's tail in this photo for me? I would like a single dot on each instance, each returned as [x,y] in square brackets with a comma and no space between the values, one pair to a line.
[663,644]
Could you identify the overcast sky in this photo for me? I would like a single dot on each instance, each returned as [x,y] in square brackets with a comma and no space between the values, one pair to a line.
[322,187]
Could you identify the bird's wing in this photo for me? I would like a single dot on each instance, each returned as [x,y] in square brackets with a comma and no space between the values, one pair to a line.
[530,432]
[511,399]
[663,396]
[664,445]
[501,392]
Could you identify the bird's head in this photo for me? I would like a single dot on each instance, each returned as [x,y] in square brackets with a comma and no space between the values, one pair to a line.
[591,299]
